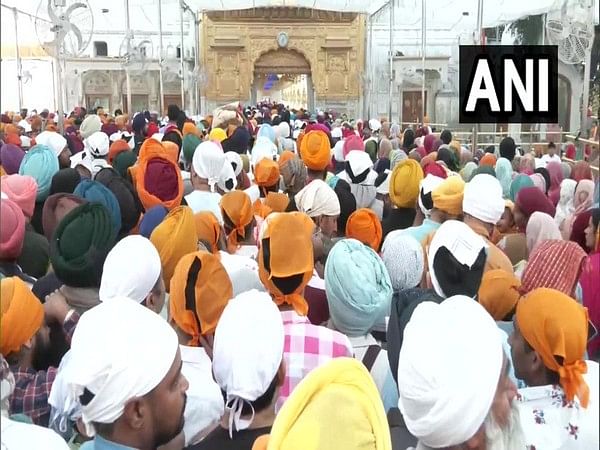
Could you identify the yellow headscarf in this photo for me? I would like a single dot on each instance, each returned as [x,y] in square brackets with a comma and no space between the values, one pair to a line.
[310,419]
[404,183]
[217,135]
[174,238]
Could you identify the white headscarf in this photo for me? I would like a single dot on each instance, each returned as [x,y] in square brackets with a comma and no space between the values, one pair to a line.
[62,411]
[565,206]
[263,148]
[403,258]
[247,352]
[483,198]
[125,136]
[462,242]
[359,162]
[120,350]
[131,269]
[427,185]
[227,181]
[97,144]
[283,130]
[448,370]
[384,187]
[338,150]
[208,162]
[235,159]
[318,199]
[56,142]
[83,158]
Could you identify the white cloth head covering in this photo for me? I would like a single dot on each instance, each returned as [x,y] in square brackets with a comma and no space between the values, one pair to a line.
[336,133]
[235,159]
[359,162]
[227,181]
[247,351]
[427,185]
[565,206]
[338,150]
[374,125]
[448,370]
[52,139]
[462,242]
[120,350]
[483,198]
[97,144]
[208,162]
[25,141]
[124,135]
[384,187]
[90,125]
[82,158]
[131,269]
[283,130]
[61,411]
[263,148]
[403,258]
[540,227]
[25,125]
[318,199]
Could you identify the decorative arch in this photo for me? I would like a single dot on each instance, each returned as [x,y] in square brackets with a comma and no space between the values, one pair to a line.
[282,60]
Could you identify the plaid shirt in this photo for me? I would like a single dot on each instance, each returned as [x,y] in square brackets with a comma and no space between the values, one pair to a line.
[307,347]
[32,388]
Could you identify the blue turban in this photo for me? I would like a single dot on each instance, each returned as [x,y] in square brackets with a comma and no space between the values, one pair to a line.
[95,192]
[40,163]
[267,131]
[359,290]
[151,219]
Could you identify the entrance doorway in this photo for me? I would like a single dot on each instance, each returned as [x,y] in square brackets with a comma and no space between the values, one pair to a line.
[283,76]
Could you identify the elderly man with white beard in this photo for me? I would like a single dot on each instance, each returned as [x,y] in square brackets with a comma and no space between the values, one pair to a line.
[453,381]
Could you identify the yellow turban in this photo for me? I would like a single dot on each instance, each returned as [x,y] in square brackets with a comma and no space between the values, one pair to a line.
[404,183]
[217,135]
[22,314]
[448,196]
[174,238]
[310,419]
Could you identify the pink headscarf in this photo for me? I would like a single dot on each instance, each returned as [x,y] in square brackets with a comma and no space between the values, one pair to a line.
[428,142]
[540,227]
[556,176]
[22,190]
[353,143]
[539,182]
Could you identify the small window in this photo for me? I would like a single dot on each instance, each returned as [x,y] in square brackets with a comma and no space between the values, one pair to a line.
[143,51]
[100,48]
[178,51]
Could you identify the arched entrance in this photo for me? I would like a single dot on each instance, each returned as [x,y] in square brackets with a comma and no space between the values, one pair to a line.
[284,76]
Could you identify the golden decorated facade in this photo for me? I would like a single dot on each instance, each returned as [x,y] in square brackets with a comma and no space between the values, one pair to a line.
[240,46]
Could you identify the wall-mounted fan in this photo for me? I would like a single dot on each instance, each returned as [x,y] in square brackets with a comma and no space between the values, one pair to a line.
[571,29]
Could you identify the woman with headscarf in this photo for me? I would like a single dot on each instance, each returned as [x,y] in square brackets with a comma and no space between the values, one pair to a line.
[508,237]
[519,182]
[527,164]
[581,171]
[582,201]
[556,176]
[504,173]
[540,227]
[359,293]
[565,206]
[467,171]
[546,176]
[539,182]
[530,200]
[448,157]
[590,281]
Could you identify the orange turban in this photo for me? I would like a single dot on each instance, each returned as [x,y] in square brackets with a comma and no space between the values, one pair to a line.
[157,177]
[364,226]
[288,240]
[237,210]
[489,159]
[174,238]
[11,129]
[315,150]
[197,313]
[266,173]
[404,183]
[554,324]
[448,195]
[12,138]
[277,201]
[208,229]
[119,146]
[190,128]
[171,149]
[499,293]
[22,314]
[285,157]
[259,209]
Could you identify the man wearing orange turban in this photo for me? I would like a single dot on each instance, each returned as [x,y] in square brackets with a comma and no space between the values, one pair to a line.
[364,226]
[174,238]
[559,408]
[32,348]
[117,147]
[266,176]
[499,293]
[488,160]
[208,230]
[238,223]
[315,151]
[286,264]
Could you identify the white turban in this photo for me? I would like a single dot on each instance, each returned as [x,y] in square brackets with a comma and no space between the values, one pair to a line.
[25,125]
[448,370]
[359,162]
[97,144]
[131,269]
[125,136]
[403,257]
[384,186]
[56,142]
[90,125]
[208,162]
[263,148]
[318,199]
[426,186]
[336,133]
[462,242]
[374,125]
[483,198]
[120,350]
[235,160]
[82,158]
[61,409]
[247,351]
[338,151]
[283,130]
[227,181]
